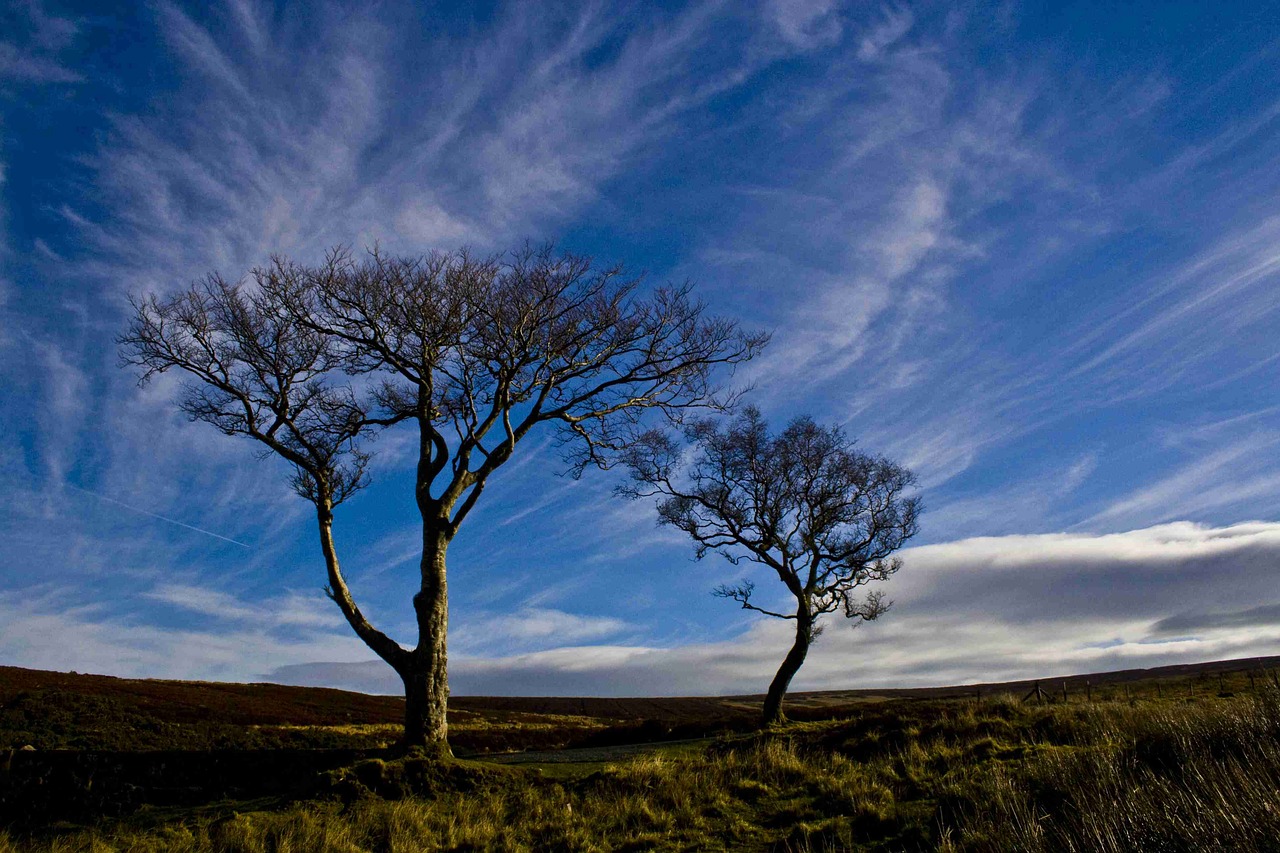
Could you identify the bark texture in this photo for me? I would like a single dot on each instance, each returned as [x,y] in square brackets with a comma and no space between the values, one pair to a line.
[426,671]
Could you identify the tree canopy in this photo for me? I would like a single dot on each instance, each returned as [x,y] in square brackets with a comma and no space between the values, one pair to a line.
[805,504]
[474,351]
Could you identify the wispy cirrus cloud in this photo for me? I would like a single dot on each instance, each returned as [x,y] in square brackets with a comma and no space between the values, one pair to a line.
[534,627]
[876,264]
[975,186]
[520,128]
[884,237]
[294,149]
[1040,500]
[20,66]
[46,630]
[32,42]
[1239,477]
[1190,314]
[32,45]
[806,24]
[293,610]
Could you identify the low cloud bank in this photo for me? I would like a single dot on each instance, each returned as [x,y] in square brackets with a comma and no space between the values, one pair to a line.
[986,609]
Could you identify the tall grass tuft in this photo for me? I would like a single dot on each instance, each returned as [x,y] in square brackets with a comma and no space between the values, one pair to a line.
[1166,777]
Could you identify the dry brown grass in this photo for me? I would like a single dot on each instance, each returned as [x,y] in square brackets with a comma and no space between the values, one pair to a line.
[988,775]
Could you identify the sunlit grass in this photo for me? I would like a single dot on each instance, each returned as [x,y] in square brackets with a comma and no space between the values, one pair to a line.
[546,730]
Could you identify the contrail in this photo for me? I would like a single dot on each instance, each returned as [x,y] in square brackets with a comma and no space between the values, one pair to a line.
[161,517]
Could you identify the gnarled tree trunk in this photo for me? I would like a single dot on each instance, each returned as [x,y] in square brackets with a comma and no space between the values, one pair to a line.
[790,666]
[425,671]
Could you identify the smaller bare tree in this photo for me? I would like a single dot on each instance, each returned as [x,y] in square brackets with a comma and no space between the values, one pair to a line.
[823,516]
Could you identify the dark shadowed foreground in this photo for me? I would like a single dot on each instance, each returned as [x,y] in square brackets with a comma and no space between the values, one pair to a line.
[1183,758]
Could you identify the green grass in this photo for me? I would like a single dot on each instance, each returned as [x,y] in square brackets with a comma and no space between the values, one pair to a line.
[993,774]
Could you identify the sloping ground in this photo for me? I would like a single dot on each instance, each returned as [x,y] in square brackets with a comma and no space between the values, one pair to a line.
[67,711]
[813,704]
[200,701]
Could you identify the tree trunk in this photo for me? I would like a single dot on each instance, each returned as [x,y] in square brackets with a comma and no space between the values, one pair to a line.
[425,723]
[425,673]
[790,666]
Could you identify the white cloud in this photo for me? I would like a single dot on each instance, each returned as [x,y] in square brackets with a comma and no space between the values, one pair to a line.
[1041,500]
[806,24]
[1199,326]
[878,240]
[916,229]
[29,50]
[1198,308]
[1166,545]
[860,315]
[428,224]
[49,631]
[893,25]
[510,133]
[65,391]
[293,610]
[1235,475]
[532,627]
[24,68]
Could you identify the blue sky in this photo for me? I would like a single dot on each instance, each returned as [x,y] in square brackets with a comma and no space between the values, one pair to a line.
[1030,250]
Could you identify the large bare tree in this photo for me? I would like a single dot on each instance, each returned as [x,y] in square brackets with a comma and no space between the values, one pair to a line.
[821,515]
[472,352]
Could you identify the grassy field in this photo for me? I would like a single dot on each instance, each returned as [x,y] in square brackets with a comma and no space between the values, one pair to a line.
[1187,761]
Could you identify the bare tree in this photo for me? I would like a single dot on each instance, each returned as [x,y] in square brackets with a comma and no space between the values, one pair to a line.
[474,352]
[805,504]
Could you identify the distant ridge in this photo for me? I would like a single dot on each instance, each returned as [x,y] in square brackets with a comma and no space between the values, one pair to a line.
[278,704]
